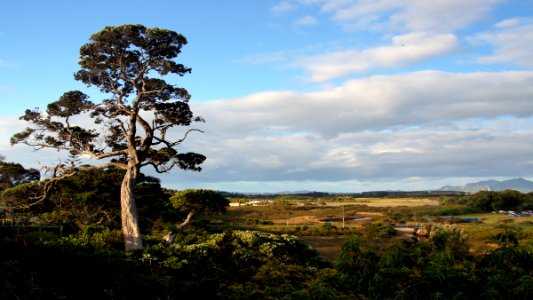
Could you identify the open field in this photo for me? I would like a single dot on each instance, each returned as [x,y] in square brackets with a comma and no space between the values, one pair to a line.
[300,215]
[308,218]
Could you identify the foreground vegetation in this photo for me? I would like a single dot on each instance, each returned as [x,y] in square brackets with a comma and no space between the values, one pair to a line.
[252,252]
[256,265]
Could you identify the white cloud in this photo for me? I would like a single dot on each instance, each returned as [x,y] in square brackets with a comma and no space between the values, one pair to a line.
[375,103]
[282,7]
[508,23]
[426,124]
[512,43]
[306,21]
[404,50]
[432,151]
[406,15]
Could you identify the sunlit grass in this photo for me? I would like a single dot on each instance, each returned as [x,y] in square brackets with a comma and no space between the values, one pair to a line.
[490,218]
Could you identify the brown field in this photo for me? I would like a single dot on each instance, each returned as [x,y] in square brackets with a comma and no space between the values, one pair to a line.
[313,220]
[328,246]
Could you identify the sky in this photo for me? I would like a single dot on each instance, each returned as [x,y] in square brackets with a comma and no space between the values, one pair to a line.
[319,95]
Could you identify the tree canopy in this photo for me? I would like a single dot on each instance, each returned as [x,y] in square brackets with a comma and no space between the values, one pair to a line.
[131,125]
[197,201]
[12,174]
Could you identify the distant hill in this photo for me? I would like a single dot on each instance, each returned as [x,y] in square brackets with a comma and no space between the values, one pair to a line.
[519,184]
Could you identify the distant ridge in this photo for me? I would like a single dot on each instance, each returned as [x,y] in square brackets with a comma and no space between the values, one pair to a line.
[519,184]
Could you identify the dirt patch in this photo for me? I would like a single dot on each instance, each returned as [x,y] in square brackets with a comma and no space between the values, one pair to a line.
[311,220]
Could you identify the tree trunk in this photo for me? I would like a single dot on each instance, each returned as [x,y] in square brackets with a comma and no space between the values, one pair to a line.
[171,236]
[130,220]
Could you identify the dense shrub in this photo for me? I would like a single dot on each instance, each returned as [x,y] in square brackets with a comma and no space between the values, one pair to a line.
[438,269]
[257,265]
[69,271]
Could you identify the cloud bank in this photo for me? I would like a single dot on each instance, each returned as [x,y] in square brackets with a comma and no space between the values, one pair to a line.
[419,125]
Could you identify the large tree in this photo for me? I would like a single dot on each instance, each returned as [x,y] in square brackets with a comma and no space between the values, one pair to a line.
[131,126]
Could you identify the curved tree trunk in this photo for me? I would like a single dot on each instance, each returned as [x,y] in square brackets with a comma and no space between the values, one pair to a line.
[171,236]
[130,220]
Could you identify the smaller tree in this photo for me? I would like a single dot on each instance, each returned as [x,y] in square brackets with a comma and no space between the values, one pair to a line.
[13,174]
[450,237]
[193,202]
[18,186]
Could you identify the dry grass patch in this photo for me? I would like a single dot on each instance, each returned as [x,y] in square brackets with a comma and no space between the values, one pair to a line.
[329,247]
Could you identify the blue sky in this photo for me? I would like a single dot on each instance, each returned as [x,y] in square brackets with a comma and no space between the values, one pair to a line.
[329,95]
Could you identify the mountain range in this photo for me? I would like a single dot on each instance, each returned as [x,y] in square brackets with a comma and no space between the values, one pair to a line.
[519,184]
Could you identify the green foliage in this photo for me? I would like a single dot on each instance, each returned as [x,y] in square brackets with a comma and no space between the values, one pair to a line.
[506,273]
[21,196]
[380,230]
[329,227]
[198,201]
[92,197]
[13,174]
[508,199]
[257,265]
[451,238]
[258,222]
[490,200]
[247,263]
[238,264]
[438,269]
[509,237]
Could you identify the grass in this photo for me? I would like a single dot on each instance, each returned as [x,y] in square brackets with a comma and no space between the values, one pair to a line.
[490,218]
[484,236]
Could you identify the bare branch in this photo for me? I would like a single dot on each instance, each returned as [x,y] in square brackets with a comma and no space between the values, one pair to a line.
[174,144]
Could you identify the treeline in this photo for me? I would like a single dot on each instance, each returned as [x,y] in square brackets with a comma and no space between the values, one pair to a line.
[494,201]
[409,194]
[370,194]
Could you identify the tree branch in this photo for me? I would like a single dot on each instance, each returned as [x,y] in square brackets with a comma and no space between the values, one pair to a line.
[171,236]
[162,140]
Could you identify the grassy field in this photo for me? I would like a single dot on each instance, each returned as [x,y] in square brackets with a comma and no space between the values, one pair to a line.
[490,218]
[486,234]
